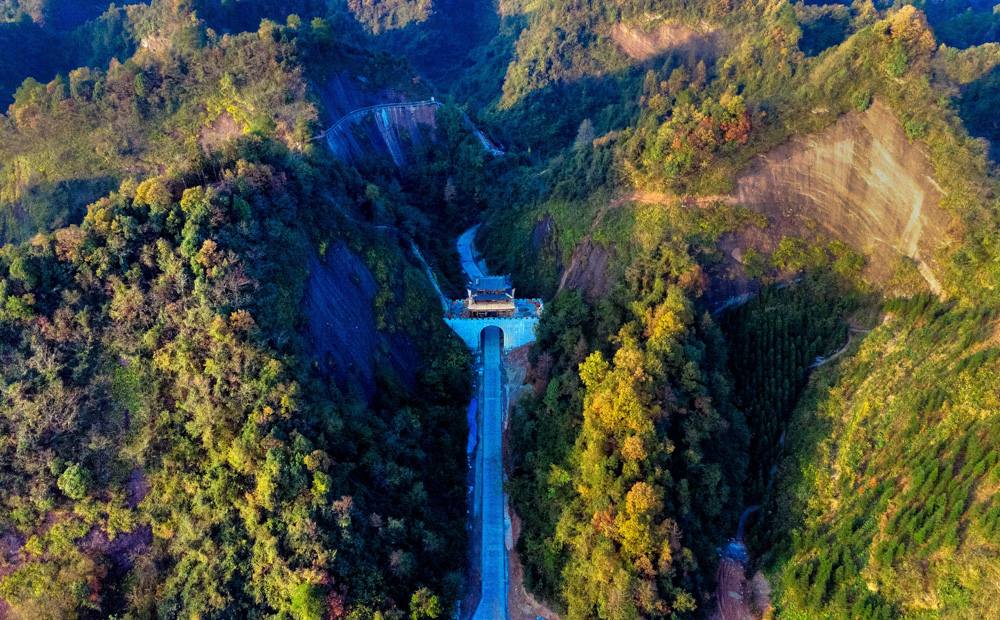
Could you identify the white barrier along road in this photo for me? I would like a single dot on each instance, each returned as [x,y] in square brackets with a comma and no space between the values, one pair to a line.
[488,145]
[353,114]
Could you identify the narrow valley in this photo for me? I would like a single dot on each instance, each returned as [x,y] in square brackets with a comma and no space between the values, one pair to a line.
[499,310]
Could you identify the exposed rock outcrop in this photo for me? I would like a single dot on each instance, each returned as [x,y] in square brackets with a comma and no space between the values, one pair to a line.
[543,233]
[384,132]
[339,309]
[588,270]
[389,133]
[344,93]
[860,181]
[640,45]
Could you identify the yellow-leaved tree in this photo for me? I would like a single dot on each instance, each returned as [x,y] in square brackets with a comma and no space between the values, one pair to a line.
[627,557]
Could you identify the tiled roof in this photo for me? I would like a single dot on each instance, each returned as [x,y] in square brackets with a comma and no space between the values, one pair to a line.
[491,283]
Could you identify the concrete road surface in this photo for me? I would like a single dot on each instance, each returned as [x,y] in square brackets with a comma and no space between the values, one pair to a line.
[493,604]
[489,482]
[464,244]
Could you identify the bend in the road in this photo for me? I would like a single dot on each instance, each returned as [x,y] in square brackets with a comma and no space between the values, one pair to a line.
[743,521]
[467,254]
[353,114]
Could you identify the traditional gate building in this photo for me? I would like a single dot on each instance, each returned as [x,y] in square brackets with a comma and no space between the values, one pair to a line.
[490,301]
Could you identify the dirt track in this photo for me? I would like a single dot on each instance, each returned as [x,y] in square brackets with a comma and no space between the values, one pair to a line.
[732,581]
[733,592]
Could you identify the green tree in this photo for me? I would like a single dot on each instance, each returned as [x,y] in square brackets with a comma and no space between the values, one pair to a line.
[307,602]
[424,604]
[74,481]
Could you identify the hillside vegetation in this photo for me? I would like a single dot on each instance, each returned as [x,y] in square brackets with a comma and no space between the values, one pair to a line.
[629,455]
[177,442]
[67,142]
[885,506]
[169,448]
[699,126]
[835,545]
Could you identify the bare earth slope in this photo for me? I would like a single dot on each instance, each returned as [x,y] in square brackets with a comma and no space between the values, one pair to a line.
[860,181]
[667,37]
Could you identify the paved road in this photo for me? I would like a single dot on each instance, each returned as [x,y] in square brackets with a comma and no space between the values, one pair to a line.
[353,114]
[467,254]
[489,482]
[488,145]
[743,521]
[493,557]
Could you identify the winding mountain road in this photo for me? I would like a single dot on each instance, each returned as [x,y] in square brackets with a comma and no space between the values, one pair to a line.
[467,254]
[353,114]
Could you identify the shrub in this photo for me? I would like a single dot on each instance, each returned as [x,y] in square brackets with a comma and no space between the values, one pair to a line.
[861,100]
[915,129]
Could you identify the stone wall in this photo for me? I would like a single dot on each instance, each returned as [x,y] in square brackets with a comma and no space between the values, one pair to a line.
[516,331]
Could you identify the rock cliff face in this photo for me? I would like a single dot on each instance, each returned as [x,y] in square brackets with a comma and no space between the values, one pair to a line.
[345,92]
[860,181]
[339,306]
[386,132]
[389,133]
[588,270]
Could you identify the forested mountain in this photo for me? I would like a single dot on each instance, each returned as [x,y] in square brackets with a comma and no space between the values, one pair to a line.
[778,71]
[886,504]
[169,448]
[766,235]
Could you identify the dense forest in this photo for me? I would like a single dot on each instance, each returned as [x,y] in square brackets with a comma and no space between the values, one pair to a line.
[177,441]
[774,340]
[630,450]
[886,505]
[169,448]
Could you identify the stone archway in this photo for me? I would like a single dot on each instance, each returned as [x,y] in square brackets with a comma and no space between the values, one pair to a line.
[482,335]
[516,331]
